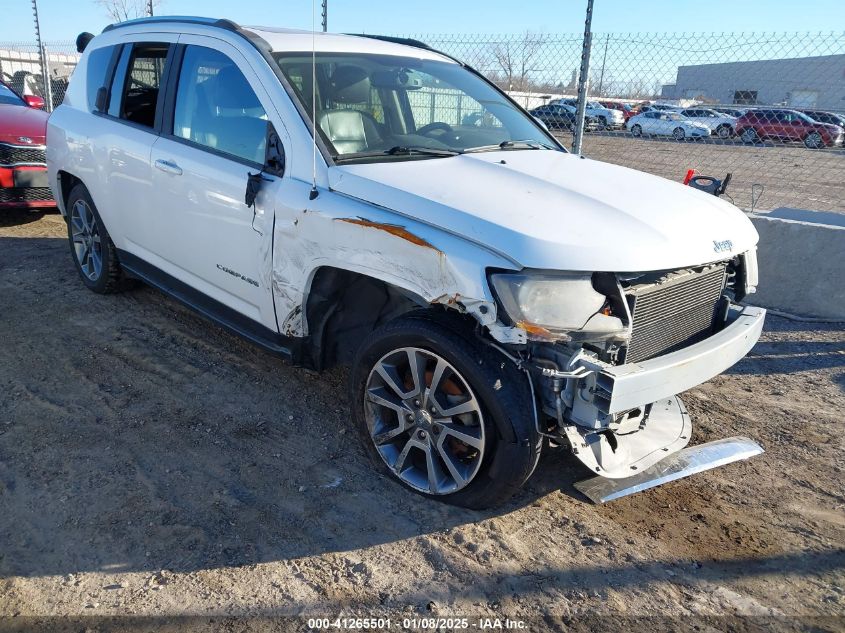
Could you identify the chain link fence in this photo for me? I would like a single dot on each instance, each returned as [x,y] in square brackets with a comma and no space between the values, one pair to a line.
[767,108]
[20,68]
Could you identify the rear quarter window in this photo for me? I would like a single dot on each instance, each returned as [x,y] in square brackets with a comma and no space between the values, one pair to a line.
[95,78]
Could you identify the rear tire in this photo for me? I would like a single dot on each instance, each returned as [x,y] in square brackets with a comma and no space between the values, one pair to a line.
[416,436]
[813,140]
[91,247]
[603,123]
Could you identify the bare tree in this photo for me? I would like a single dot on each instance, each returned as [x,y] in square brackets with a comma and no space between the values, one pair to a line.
[122,10]
[516,59]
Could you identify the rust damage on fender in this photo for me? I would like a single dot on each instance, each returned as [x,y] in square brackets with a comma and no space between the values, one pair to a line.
[393,229]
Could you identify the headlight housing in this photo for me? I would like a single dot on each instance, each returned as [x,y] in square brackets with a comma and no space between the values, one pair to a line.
[556,306]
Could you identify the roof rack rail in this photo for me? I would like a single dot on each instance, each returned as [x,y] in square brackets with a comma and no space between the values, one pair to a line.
[407,41]
[177,19]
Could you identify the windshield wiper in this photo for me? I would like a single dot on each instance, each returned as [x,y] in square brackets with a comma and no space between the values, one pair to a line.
[400,150]
[509,145]
[421,149]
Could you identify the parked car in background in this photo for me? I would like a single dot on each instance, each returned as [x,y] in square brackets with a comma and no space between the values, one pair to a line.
[663,107]
[608,118]
[23,166]
[734,112]
[488,288]
[559,116]
[666,123]
[626,109]
[832,118]
[787,125]
[722,125]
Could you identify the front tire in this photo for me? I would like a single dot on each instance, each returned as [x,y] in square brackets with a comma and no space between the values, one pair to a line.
[91,247]
[636,130]
[679,134]
[449,418]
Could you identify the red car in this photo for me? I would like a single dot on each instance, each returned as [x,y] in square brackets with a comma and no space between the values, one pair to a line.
[626,110]
[787,125]
[23,166]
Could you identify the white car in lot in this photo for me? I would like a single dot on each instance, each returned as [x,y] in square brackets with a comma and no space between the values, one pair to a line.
[720,124]
[489,290]
[608,118]
[666,123]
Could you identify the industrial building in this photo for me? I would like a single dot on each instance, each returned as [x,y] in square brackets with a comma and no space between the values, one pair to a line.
[802,82]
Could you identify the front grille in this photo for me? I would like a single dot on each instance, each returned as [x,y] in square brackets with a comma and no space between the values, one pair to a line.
[678,312]
[22,155]
[26,194]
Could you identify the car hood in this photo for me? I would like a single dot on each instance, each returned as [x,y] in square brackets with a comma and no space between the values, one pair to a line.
[21,121]
[557,211]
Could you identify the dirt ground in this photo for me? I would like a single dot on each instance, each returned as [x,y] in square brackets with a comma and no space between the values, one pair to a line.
[151,464]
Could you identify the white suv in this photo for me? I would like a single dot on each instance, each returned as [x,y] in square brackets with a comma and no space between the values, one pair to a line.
[492,292]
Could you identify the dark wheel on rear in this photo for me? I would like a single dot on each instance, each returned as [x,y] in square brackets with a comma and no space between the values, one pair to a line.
[90,245]
[724,131]
[446,416]
[813,140]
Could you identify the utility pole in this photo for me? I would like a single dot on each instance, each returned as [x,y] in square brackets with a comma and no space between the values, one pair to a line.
[583,80]
[603,62]
[325,15]
[150,8]
[42,55]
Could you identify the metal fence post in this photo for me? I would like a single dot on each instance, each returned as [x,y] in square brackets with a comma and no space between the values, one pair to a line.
[150,8]
[42,56]
[583,80]
[325,15]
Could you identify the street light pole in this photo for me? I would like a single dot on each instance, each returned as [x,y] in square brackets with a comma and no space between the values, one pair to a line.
[583,80]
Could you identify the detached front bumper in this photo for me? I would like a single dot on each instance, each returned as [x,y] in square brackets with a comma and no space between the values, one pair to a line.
[622,387]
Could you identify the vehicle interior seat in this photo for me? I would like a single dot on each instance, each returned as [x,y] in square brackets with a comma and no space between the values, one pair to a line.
[350,130]
[240,124]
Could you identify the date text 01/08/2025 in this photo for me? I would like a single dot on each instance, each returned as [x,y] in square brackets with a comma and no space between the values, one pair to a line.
[416,624]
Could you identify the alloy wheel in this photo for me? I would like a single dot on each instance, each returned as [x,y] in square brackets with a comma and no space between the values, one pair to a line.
[424,420]
[86,240]
[814,140]
[679,133]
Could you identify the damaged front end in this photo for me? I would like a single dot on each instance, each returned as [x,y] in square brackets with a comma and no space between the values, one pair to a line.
[606,369]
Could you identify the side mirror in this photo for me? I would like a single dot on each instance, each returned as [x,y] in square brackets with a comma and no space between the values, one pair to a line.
[274,161]
[34,101]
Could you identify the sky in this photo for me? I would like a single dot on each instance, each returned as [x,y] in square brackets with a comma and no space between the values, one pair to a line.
[64,19]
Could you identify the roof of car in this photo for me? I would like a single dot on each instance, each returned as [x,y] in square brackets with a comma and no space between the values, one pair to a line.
[295,40]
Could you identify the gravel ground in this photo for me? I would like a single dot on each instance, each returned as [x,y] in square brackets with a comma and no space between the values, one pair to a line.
[790,175]
[153,465]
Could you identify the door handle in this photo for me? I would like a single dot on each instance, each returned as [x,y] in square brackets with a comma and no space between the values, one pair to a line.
[168,167]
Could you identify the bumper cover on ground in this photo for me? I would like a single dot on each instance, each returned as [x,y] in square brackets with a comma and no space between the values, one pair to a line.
[684,463]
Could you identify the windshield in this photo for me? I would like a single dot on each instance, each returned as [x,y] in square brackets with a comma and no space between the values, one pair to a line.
[8,97]
[380,107]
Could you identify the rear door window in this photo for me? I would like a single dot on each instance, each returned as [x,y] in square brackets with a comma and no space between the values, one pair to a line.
[142,83]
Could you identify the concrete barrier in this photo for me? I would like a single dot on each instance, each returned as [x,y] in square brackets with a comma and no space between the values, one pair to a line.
[802,265]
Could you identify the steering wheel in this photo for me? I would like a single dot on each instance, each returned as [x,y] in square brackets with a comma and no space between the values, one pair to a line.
[431,127]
